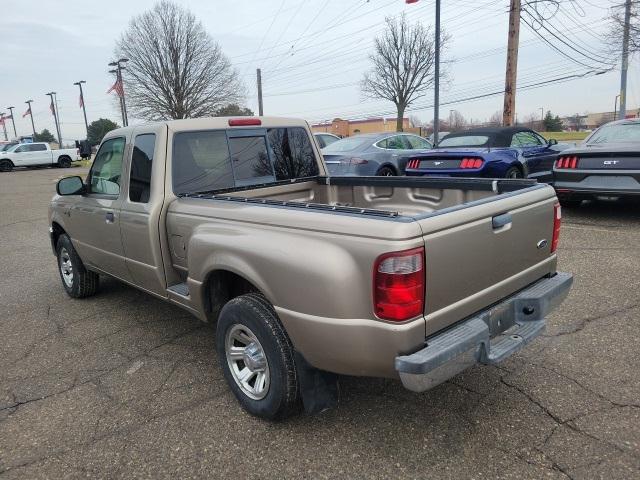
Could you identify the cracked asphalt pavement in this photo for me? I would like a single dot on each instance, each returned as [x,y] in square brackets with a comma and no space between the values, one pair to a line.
[124,385]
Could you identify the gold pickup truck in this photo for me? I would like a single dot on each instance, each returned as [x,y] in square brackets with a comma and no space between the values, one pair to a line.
[310,276]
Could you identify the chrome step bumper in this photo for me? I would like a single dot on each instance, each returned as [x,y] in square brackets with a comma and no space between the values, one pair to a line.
[488,337]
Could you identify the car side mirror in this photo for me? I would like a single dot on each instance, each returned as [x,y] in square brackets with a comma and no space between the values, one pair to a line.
[553,141]
[70,186]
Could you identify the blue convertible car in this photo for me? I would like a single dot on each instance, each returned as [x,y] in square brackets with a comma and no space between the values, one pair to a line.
[501,152]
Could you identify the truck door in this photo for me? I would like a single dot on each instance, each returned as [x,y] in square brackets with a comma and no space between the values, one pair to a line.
[29,154]
[94,220]
[141,207]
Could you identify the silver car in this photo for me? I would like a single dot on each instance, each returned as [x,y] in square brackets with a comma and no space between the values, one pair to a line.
[369,154]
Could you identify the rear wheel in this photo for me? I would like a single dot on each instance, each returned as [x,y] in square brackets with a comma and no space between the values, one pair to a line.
[513,172]
[64,162]
[386,172]
[6,166]
[256,357]
[77,281]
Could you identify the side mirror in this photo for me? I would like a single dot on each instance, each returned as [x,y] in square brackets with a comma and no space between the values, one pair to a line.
[553,141]
[70,186]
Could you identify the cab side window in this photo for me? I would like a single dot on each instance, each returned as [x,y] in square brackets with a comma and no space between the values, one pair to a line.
[106,171]
[141,164]
[525,139]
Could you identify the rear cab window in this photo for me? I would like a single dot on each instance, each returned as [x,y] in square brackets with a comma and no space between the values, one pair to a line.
[211,160]
[141,163]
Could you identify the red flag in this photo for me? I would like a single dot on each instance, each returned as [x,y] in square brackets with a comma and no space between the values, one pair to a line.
[117,87]
[52,108]
[9,117]
[28,112]
[81,101]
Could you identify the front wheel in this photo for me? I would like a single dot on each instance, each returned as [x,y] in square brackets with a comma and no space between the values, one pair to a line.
[386,172]
[77,281]
[513,172]
[6,166]
[256,357]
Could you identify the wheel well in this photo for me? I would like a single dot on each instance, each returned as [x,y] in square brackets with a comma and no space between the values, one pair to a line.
[388,165]
[64,157]
[221,286]
[6,160]
[57,231]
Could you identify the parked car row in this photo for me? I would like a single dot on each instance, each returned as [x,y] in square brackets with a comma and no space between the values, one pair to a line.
[607,163]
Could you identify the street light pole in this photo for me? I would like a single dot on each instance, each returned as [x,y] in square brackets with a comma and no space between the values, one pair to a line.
[13,121]
[84,110]
[55,117]
[33,126]
[436,82]
[541,117]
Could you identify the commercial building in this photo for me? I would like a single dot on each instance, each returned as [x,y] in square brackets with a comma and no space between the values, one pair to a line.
[347,128]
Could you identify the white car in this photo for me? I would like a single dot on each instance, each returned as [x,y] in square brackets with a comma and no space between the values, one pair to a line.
[37,153]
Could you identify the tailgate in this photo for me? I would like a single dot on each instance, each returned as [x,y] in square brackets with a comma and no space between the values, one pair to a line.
[481,252]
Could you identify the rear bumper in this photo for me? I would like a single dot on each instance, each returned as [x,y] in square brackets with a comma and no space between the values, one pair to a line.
[488,337]
[591,183]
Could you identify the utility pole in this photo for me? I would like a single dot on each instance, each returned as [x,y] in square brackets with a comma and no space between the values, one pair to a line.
[28,102]
[13,121]
[55,117]
[84,110]
[625,60]
[259,77]
[118,71]
[436,82]
[508,111]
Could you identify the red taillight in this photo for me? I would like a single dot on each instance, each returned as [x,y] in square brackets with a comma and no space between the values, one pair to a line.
[398,285]
[471,162]
[243,122]
[358,161]
[567,161]
[557,220]
[413,163]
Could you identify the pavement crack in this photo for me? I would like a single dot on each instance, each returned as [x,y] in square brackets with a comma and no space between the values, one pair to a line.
[587,320]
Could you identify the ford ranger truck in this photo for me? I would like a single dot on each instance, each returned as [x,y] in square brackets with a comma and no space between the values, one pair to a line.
[309,276]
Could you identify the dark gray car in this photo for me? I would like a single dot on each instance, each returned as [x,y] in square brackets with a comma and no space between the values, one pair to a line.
[371,154]
[606,164]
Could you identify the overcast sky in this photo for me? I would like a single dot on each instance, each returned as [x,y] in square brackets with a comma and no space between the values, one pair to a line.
[312,53]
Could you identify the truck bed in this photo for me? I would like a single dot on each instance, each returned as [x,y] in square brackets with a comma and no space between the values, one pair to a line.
[374,196]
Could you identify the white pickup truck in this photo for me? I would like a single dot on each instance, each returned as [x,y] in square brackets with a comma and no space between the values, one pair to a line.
[37,153]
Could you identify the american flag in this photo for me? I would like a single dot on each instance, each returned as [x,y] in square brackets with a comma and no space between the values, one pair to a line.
[8,117]
[117,87]
[81,101]
[28,112]
[52,108]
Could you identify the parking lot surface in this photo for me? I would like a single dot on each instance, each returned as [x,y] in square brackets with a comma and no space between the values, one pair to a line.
[124,385]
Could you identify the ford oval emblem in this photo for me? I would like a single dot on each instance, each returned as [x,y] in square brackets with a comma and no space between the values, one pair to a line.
[542,243]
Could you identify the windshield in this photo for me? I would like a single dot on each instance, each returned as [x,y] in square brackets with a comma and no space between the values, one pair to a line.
[464,141]
[7,146]
[616,133]
[347,145]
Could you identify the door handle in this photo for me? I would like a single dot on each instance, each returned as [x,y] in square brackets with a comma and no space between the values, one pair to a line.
[109,217]
[500,221]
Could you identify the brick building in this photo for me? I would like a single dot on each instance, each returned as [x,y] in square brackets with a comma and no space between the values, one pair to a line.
[347,128]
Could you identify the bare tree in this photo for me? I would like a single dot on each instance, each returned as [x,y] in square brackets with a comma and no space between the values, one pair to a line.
[495,119]
[616,19]
[414,121]
[175,68]
[403,62]
[457,121]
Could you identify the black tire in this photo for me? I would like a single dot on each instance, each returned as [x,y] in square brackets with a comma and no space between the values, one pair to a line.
[64,162]
[513,172]
[82,283]
[6,165]
[386,172]
[252,313]
[570,203]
